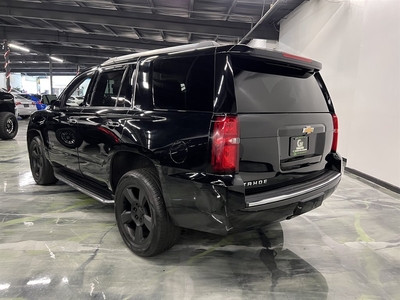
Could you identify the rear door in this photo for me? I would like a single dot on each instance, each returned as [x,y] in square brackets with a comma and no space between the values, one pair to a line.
[101,122]
[286,127]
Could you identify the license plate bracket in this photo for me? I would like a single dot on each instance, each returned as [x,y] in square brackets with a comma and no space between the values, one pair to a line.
[298,145]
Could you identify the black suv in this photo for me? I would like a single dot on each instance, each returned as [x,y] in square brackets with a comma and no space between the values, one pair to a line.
[214,138]
[8,120]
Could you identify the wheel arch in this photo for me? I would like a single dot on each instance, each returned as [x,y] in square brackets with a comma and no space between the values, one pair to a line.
[127,160]
[31,133]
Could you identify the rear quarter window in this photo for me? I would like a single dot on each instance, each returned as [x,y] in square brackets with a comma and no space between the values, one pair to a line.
[262,86]
[184,83]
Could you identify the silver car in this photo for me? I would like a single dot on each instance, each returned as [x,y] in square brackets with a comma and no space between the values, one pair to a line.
[26,107]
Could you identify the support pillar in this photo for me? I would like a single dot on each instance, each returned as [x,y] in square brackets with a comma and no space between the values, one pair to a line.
[51,76]
[7,66]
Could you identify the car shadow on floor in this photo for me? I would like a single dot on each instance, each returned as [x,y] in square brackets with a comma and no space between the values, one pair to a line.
[254,264]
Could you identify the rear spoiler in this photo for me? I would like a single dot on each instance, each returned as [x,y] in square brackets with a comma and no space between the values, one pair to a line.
[274,55]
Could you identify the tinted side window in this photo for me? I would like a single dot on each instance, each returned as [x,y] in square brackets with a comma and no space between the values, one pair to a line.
[125,93]
[47,99]
[184,83]
[107,88]
[79,91]
[262,86]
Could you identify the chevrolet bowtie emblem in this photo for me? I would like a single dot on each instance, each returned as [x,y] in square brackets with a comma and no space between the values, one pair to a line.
[308,129]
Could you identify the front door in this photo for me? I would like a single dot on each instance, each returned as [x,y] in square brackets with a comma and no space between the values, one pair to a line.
[63,137]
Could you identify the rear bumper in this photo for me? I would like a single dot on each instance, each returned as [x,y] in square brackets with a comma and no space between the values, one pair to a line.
[288,195]
[26,111]
[218,204]
[292,203]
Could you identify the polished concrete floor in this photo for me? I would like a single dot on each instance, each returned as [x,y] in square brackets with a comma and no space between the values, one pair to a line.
[57,243]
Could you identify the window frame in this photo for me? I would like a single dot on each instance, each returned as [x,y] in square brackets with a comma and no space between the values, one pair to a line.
[92,74]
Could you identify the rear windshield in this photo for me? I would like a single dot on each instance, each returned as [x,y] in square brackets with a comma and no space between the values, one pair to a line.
[262,86]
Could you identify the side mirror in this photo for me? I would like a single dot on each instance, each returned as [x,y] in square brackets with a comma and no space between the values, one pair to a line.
[55,104]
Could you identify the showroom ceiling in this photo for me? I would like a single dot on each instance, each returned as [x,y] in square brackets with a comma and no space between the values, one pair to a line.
[85,33]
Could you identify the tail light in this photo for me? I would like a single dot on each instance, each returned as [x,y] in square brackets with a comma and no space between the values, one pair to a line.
[225,144]
[33,103]
[18,103]
[335,132]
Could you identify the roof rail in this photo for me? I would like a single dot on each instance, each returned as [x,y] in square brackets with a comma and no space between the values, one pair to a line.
[176,49]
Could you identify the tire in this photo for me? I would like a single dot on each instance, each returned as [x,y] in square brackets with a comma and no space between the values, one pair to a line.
[8,125]
[42,170]
[176,232]
[142,218]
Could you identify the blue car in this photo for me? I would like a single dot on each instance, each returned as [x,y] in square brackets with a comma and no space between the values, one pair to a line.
[41,100]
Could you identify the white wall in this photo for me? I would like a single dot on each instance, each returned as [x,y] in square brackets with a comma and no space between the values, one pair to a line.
[59,83]
[16,81]
[29,84]
[358,43]
[2,80]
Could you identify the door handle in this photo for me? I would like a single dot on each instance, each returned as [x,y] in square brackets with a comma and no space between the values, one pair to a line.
[113,124]
[72,121]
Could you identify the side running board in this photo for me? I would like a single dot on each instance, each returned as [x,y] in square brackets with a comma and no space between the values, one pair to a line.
[105,199]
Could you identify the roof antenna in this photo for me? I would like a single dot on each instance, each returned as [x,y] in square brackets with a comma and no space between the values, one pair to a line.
[267,13]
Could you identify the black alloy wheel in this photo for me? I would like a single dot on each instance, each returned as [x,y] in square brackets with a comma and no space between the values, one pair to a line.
[137,215]
[10,126]
[141,216]
[41,169]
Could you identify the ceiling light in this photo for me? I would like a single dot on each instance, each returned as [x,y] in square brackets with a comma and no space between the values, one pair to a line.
[19,47]
[56,59]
